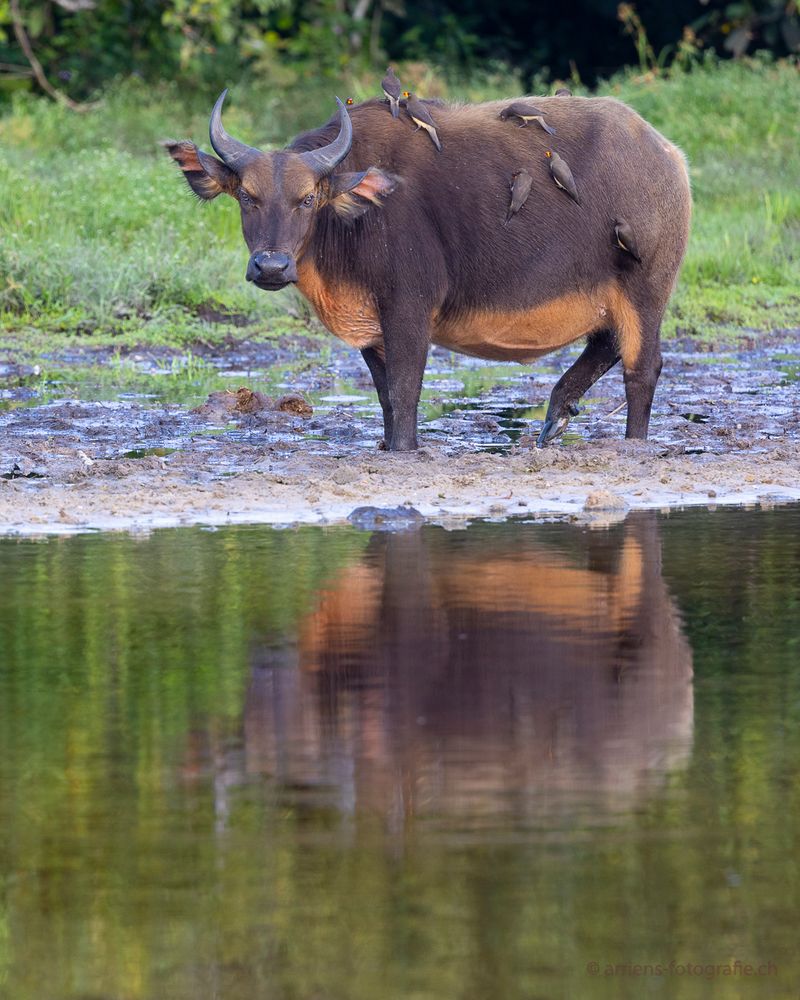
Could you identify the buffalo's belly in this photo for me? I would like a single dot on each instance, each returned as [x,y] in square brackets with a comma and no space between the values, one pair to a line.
[522,335]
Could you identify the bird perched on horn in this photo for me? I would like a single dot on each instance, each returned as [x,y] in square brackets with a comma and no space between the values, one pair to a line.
[526,113]
[625,240]
[562,175]
[521,183]
[392,90]
[421,117]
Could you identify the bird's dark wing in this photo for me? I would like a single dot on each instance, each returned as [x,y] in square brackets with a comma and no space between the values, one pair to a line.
[522,108]
[418,110]
[391,85]
[563,176]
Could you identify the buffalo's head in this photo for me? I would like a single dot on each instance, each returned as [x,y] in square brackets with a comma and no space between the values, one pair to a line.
[279,193]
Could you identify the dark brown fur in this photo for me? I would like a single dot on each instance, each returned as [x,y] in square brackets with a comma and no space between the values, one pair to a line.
[436,253]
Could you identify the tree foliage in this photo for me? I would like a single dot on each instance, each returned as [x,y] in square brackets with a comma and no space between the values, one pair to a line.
[83,44]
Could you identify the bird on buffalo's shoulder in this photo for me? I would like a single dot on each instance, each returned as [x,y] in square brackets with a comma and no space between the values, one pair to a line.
[625,240]
[526,113]
[562,175]
[421,117]
[392,89]
[520,189]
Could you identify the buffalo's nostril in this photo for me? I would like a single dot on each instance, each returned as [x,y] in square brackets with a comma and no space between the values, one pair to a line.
[270,266]
[253,270]
[274,263]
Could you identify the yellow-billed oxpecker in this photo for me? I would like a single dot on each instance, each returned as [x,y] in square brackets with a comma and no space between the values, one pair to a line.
[625,240]
[526,113]
[392,89]
[421,117]
[562,175]
[520,189]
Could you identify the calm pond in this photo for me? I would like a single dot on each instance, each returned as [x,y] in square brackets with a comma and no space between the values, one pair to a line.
[325,763]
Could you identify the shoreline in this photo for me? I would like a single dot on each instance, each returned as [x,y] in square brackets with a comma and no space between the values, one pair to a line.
[596,482]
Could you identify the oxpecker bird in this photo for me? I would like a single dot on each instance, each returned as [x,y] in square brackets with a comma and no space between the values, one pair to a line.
[562,175]
[392,89]
[421,117]
[520,189]
[526,113]
[625,240]
[563,92]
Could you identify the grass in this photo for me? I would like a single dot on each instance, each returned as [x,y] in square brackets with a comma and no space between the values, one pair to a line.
[737,123]
[100,238]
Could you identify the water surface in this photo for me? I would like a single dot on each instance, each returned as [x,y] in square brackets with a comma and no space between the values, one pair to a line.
[328,764]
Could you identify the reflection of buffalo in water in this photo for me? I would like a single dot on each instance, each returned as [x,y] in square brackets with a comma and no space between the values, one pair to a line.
[491,670]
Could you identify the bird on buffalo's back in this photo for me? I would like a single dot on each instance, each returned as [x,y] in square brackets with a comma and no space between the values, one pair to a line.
[520,189]
[625,239]
[562,175]
[421,117]
[563,92]
[526,113]
[392,89]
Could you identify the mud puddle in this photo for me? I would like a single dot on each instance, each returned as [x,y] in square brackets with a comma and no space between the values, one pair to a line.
[95,440]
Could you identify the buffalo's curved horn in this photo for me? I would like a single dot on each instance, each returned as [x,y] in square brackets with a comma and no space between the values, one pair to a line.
[324,161]
[229,150]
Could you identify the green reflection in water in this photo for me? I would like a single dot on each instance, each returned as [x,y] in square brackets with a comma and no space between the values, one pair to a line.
[311,764]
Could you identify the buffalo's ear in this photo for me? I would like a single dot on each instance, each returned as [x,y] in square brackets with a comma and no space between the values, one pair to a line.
[351,195]
[206,175]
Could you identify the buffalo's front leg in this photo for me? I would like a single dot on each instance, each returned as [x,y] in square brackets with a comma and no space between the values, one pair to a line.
[406,341]
[377,369]
[600,354]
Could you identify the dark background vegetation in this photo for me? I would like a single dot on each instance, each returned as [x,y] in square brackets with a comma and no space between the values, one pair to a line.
[84,44]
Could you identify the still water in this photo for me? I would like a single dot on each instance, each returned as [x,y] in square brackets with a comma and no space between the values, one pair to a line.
[513,761]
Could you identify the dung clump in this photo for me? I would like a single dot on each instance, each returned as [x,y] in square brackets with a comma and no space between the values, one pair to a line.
[244,401]
[293,402]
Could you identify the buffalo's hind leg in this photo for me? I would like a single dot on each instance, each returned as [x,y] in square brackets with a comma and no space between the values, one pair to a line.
[641,360]
[377,369]
[600,354]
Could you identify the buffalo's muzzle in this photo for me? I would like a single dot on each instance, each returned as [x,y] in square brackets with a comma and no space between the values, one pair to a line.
[271,269]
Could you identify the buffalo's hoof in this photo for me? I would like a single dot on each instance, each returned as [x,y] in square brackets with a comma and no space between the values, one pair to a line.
[554,427]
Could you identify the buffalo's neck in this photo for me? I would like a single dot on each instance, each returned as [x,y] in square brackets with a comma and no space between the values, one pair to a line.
[346,308]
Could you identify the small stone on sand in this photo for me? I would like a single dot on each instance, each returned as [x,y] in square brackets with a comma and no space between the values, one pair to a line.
[604,500]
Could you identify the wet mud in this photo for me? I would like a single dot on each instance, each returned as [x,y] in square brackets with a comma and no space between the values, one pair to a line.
[288,434]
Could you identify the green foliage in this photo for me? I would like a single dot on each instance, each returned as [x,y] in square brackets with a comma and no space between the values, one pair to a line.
[84,45]
[735,123]
[101,236]
[98,228]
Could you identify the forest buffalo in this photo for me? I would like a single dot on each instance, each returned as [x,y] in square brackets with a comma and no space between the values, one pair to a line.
[398,245]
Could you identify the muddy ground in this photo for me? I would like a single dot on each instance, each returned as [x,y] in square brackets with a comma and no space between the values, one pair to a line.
[78,453]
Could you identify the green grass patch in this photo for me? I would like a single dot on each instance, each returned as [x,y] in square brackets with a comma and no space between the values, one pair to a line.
[737,123]
[100,237]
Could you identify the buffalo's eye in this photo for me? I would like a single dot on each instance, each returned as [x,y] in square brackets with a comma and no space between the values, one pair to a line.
[308,201]
[244,199]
